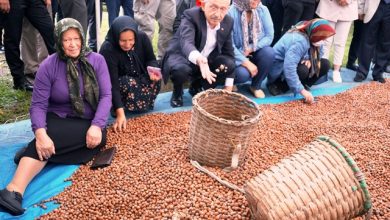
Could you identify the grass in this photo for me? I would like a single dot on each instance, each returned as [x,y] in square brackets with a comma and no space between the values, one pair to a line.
[14,105]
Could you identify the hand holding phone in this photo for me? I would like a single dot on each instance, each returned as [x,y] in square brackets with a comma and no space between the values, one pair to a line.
[154,73]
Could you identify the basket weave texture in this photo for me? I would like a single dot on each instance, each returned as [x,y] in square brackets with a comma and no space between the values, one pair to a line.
[320,181]
[222,123]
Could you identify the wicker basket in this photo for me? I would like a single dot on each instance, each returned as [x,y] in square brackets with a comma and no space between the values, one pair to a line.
[222,124]
[321,181]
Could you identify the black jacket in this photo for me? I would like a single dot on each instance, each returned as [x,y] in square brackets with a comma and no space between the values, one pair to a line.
[118,60]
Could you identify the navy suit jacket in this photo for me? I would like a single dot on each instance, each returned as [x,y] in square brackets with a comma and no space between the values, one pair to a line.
[191,35]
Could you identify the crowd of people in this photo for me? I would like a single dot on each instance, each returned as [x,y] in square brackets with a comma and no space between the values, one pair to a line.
[206,43]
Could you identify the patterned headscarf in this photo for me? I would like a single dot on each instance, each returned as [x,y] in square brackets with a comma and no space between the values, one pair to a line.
[315,30]
[91,87]
[243,6]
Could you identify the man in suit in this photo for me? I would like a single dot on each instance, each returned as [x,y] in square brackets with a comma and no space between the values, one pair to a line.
[375,36]
[201,50]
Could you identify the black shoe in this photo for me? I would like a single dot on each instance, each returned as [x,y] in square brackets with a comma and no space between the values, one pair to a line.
[25,86]
[274,89]
[11,201]
[18,154]
[177,97]
[379,79]
[353,67]
[359,77]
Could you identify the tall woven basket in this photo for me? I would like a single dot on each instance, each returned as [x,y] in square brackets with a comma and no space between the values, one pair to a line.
[222,124]
[321,181]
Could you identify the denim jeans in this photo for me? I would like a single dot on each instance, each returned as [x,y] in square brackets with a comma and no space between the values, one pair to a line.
[263,59]
[113,9]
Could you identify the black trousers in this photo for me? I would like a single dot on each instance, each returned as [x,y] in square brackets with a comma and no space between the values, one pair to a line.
[76,9]
[355,43]
[294,11]
[276,10]
[36,12]
[69,137]
[375,36]
[303,73]
[181,73]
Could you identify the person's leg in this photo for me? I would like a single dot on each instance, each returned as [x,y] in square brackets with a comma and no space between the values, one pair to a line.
[242,75]
[263,59]
[309,82]
[27,169]
[180,73]
[42,50]
[12,37]
[382,51]
[340,39]
[39,17]
[54,9]
[11,197]
[353,48]
[28,47]
[308,11]
[91,25]
[113,7]
[276,10]
[128,7]
[292,13]
[328,42]
[367,46]
[76,9]
[144,15]
[166,16]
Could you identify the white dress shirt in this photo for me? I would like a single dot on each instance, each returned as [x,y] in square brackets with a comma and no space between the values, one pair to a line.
[211,43]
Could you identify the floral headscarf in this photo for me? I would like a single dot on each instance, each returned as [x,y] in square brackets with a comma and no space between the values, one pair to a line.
[91,87]
[243,6]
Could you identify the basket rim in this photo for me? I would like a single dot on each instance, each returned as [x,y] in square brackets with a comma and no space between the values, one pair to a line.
[251,120]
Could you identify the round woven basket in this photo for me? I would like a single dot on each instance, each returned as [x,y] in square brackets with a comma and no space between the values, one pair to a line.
[222,124]
[321,181]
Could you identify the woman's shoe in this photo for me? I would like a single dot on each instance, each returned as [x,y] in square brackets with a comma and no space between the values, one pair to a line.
[337,76]
[11,201]
[258,93]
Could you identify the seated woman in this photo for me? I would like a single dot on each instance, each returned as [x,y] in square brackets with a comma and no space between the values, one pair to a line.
[70,106]
[298,61]
[129,54]
[253,32]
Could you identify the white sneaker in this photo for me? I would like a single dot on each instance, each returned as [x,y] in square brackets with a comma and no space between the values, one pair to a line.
[337,77]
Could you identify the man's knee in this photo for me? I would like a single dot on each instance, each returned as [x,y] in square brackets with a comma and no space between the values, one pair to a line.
[180,73]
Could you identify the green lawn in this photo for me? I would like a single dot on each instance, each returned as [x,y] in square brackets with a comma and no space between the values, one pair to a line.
[14,105]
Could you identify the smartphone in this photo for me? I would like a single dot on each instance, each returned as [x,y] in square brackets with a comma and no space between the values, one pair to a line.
[154,72]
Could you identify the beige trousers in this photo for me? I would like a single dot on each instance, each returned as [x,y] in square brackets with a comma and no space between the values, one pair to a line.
[164,11]
[338,41]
